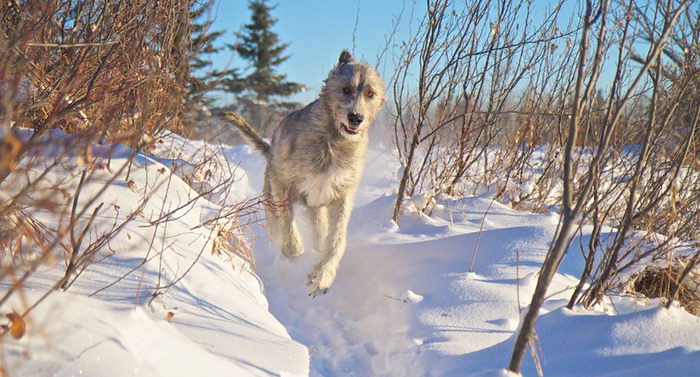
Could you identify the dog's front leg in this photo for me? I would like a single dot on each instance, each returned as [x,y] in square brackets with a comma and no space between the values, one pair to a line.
[324,271]
[280,218]
[319,223]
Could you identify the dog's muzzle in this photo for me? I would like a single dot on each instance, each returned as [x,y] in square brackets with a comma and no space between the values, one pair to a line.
[355,120]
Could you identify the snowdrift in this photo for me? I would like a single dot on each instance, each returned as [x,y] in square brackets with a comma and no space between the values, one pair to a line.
[436,296]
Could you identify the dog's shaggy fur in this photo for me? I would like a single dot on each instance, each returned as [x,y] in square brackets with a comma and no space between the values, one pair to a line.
[316,158]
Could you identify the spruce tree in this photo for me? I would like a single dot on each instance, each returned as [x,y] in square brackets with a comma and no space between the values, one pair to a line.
[262,49]
[204,78]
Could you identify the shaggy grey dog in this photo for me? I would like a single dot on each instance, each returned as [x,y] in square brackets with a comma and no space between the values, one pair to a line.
[316,158]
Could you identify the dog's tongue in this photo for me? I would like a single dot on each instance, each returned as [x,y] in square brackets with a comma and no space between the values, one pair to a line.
[351,130]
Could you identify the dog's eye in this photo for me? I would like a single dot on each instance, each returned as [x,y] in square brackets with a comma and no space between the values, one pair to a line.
[347,90]
[370,94]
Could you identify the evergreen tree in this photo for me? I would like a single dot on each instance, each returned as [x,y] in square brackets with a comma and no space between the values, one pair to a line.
[204,79]
[261,47]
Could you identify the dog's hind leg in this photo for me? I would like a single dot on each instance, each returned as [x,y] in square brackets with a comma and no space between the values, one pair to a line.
[271,209]
[319,223]
[325,270]
[280,219]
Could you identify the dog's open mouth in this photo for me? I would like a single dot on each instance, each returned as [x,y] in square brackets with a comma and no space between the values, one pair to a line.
[350,130]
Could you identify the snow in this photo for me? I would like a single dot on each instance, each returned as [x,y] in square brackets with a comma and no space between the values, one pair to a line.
[410,296]
[221,324]
[438,295]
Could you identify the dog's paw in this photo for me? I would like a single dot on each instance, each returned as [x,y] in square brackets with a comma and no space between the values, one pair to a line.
[319,281]
[293,249]
[292,254]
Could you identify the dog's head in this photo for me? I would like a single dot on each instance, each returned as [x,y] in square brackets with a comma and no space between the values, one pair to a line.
[353,93]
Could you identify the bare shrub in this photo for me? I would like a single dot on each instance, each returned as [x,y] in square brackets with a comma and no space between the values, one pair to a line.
[591,184]
[109,70]
[78,80]
[598,118]
[469,61]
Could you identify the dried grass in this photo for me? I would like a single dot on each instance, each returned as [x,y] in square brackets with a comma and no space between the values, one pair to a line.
[655,282]
[231,242]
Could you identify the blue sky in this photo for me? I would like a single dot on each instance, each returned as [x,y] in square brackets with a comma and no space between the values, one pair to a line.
[317,30]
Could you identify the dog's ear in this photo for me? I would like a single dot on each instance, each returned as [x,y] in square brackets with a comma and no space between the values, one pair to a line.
[344,58]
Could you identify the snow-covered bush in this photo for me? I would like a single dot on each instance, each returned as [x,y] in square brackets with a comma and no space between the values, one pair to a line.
[86,87]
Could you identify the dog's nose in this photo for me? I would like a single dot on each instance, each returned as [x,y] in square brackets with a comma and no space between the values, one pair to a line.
[355,119]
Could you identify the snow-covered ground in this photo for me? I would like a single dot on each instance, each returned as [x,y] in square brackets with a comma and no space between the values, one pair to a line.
[405,302]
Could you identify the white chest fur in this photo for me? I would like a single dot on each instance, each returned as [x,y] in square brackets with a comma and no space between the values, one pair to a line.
[322,188]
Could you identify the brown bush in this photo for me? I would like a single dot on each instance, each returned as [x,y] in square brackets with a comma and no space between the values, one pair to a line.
[113,71]
[106,69]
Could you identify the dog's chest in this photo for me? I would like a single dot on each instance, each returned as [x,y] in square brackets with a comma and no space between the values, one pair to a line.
[320,188]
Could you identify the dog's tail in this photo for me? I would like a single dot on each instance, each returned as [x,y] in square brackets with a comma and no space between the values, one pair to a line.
[249,134]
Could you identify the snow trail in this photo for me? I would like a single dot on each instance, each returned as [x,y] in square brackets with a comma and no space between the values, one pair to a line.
[363,327]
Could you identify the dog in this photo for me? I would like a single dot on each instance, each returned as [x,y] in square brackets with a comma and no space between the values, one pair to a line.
[315,158]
